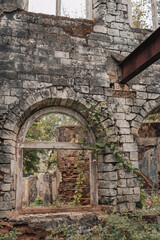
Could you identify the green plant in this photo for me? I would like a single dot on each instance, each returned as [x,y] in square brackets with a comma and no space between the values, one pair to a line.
[80,179]
[114,227]
[97,114]
[37,202]
[11,235]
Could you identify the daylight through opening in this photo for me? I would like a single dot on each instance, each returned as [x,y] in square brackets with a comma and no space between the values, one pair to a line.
[56,170]
[69,8]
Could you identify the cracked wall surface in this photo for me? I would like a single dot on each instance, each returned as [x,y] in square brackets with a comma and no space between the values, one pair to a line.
[56,61]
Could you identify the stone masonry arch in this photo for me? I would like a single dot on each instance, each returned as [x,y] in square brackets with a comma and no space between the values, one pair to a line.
[21,138]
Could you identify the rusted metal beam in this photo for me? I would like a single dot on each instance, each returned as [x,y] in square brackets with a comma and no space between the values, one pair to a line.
[143,56]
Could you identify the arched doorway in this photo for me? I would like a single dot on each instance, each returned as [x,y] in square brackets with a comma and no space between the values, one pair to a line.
[58,146]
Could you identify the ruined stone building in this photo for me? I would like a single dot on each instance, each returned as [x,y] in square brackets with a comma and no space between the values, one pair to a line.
[54,64]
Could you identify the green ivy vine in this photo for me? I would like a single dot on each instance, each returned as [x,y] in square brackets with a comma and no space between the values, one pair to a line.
[96,115]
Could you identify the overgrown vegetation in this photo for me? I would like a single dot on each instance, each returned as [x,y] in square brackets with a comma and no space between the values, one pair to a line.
[114,226]
[38,202]
[10,235]
[106,141]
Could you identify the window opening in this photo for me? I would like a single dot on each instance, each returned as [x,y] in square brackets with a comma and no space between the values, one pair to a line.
[73,9]
[67,8]
[58,175]
[144,13]
[41,6]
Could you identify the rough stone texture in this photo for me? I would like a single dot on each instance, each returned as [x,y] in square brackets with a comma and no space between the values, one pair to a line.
[56,61]
[35,227]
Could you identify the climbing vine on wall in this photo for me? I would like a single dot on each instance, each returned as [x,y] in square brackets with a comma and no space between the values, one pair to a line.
[105,142]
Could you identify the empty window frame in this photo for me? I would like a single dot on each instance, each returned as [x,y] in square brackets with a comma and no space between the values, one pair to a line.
[63,150]
[67,8]
[143,14]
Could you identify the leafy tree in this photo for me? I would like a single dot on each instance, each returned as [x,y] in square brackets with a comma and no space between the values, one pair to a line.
[44,128]
[141,14]
[31,161]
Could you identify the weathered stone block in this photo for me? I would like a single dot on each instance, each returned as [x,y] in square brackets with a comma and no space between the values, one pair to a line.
[122,123]
[132,198]
[109,158]
[4,206]
[122,183]
[123,174]
[124,191]
[107,192]
[130,147]
[104,167]
[5,168]
[60,54]
[107,184]
[122,207]
[5,187]
[112,176]
[136,190]
[133,182]
[124,130]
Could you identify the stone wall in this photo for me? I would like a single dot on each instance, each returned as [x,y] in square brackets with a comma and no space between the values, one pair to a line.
[57,61]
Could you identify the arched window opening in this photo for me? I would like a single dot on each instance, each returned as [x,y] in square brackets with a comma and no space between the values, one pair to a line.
[149,151]
[69,8]
[57,171]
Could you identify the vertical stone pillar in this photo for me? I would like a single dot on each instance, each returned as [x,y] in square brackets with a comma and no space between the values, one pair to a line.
[108,11]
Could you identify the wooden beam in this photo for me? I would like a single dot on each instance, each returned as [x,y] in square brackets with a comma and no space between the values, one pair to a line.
[143,56]
[51,145]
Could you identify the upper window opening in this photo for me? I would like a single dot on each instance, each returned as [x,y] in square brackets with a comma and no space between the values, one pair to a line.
[41,6]
[66,8]
[143,14]
[73,9]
